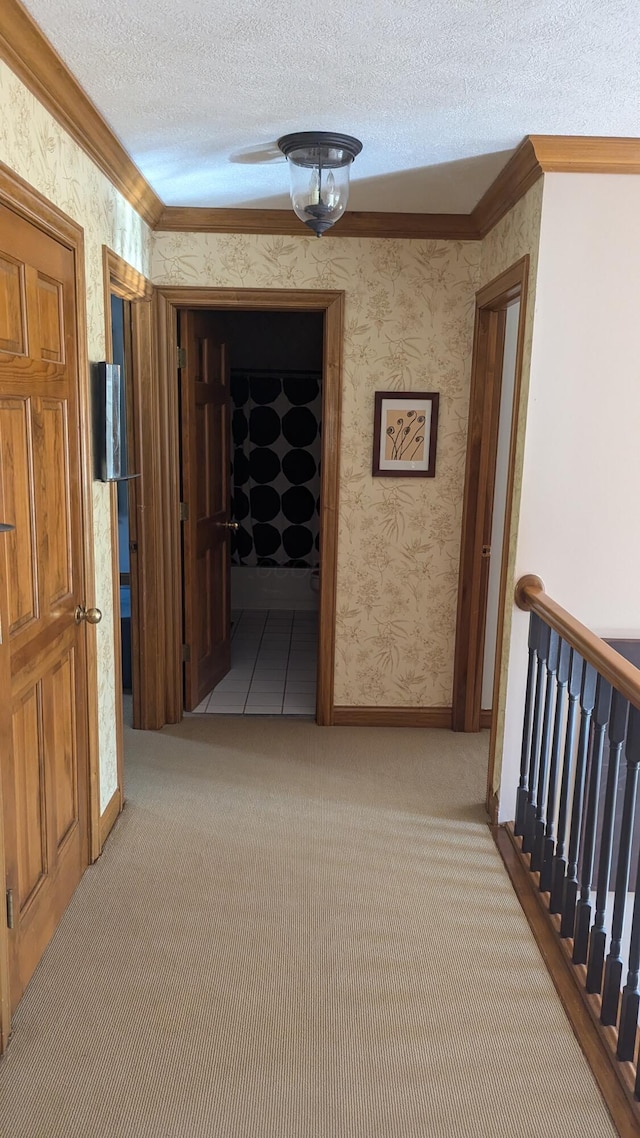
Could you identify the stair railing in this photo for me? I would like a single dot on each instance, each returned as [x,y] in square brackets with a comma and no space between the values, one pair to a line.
[577,814]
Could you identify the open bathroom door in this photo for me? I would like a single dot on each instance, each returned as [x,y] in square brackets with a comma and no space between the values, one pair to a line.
[206,503]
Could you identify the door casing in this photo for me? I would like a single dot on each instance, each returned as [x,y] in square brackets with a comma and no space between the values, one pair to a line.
[18,196]
[168,301]
[484,405]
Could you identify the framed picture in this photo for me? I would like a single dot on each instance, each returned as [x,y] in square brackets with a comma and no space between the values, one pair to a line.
[405,432]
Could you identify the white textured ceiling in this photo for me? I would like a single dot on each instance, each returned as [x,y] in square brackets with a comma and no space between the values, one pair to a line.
[439,91]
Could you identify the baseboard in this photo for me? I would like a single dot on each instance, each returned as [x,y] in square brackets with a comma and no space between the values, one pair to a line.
[109,816]
[493,808]
[614,1079]
[392,717]
[486,718]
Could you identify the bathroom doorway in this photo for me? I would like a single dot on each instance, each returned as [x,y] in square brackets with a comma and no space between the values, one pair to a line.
[261,562]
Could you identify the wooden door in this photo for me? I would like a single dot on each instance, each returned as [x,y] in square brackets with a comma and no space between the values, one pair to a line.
[44,772]
[482,445]
[206,498]
[477,514]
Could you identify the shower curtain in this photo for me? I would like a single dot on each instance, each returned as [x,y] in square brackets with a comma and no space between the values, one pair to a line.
[276,425]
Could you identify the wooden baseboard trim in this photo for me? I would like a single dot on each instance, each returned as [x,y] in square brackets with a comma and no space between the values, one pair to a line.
[492,808]
[614,1079]
[392,717]
[486,719]
[109,817]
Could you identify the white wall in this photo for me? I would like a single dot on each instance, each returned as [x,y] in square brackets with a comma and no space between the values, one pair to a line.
[579,523]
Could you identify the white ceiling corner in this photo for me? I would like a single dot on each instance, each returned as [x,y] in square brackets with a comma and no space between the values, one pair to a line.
[439,91]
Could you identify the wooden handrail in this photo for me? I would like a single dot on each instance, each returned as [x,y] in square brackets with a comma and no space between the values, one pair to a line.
[530,595]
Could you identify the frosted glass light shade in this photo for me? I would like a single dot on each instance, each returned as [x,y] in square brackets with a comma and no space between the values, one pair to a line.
[319,170]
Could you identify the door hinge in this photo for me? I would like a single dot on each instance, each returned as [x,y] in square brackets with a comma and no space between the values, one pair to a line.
[10,919]
[186,653]
[182,357]
[486,551]
[184,511]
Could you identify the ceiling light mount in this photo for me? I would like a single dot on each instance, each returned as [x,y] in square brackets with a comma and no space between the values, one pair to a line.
[319,164]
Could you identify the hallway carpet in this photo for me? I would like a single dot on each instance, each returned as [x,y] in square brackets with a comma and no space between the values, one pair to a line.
[297,933]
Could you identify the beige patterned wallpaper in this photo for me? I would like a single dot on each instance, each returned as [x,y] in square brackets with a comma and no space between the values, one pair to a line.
[39,150]
[408,326]
[517,234]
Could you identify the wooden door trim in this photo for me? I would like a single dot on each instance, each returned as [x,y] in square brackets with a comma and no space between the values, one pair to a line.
[491,300]
[5,744]
[121,279]
[18,196]
[168,301]
[149,712]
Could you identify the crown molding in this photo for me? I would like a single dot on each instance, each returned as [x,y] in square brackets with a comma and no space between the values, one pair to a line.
[519,175]
[425,226]
[575,154]
[29,54]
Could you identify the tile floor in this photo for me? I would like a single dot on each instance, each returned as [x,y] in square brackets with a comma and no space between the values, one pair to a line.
[273,666]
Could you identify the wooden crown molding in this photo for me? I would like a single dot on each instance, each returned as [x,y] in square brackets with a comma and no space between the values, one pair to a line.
[573,154]
[520,173]
[422,226]
[33,59]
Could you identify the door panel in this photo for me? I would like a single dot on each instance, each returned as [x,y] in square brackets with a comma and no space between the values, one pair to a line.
[17,474]
[207,493]
[51,442]
[44,777]
[59,717]
[29,781]
[13,324]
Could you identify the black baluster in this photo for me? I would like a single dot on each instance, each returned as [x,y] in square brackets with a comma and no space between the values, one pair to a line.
[559,860]
[587,703]
[536,734]
[583,915]
[598,938]
[613,968]
[523,788]
[552,653]
[631,994]
[558,724]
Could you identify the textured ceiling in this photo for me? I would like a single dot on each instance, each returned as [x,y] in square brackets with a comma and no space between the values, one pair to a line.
[439,91]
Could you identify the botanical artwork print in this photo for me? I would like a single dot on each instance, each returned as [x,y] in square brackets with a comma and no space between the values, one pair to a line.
[405,436]
[37,148]
[409,312]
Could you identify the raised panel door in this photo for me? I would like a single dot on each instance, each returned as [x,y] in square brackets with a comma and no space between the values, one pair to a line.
[44,778]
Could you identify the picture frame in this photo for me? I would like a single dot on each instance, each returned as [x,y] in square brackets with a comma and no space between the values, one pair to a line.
[405,434]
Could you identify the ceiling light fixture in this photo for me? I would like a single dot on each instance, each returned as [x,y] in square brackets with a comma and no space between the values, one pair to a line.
[319,167]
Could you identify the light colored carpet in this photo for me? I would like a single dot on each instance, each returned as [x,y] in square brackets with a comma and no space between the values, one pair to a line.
[297,933]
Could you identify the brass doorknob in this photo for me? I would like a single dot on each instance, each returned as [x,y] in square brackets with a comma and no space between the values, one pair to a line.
[229,525]
[91,616]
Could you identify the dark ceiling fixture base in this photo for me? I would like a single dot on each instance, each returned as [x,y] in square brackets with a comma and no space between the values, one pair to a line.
[319,164]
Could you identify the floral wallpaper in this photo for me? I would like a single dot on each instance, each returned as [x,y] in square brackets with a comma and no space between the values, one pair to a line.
[515,235]
[37,148]
[408,326]
[409,315]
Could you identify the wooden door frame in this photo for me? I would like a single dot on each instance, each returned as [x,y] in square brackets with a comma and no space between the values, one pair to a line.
[168,301]
[121,279]
[492,302]
[22,199]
